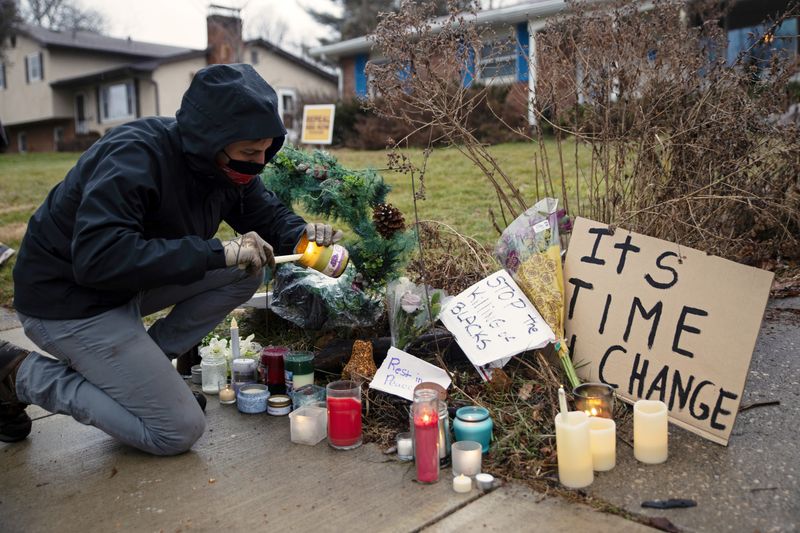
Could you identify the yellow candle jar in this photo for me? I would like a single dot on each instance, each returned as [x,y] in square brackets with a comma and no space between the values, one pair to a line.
[329,260]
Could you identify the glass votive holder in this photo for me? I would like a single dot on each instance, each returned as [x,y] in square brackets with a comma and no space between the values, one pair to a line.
[307,394]
[309,424]
[405,446]
[243,372]
[473,423]
[595,399]
[467,455]
[344,414]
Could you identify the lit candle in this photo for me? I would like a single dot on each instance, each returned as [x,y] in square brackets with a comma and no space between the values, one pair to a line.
[650,434]
[302,428]
[226,395]
[573,447]
[462,484]
[603,437]
[467,456]
[426,445]
[234,338]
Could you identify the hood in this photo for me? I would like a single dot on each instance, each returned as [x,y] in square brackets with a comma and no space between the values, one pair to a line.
[224,104]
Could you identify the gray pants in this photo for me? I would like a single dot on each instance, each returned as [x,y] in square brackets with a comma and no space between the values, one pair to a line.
[113,374]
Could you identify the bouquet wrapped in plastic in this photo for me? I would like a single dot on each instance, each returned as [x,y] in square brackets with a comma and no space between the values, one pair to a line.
[408,305]
[530,249]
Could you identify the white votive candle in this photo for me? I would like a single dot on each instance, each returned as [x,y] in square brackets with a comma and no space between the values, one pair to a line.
[603,438]
[302,428]
[650,433]
[573,447]
[462,483]
[405,446]
[466,457]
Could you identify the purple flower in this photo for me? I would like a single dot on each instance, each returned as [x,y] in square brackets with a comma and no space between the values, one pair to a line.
[410,302]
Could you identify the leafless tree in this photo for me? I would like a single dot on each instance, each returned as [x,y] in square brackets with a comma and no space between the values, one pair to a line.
[62,15]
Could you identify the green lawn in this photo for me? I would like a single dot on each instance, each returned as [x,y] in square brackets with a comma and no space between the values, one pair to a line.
[458,194]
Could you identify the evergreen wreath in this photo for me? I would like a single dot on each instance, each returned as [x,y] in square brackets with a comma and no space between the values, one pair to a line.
[318,183]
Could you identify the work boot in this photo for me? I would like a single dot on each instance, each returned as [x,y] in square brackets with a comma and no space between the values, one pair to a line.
[15,424]
[187,360]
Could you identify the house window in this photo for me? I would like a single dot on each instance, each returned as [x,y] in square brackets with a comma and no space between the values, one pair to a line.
[117,101]
[2,76]
[22,142]
[497,61]
[287,105]
[254,57]
[33,67]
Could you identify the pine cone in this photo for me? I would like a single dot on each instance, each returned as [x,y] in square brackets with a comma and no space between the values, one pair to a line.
[388,220]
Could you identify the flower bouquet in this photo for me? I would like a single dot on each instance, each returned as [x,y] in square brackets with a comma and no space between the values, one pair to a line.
[408,305]
[216,347]
[530,249]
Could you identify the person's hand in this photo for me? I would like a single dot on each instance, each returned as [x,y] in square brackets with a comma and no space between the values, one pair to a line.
[249,252]
[322,234]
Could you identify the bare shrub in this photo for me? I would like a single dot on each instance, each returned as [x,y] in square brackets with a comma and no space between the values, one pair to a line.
[684,146]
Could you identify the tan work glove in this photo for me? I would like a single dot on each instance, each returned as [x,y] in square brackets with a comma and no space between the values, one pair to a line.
[249,252]
[322,234]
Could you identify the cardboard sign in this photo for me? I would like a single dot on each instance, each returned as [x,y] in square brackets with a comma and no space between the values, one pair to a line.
[401,372]
[318,124]
[663,322]
[493,319]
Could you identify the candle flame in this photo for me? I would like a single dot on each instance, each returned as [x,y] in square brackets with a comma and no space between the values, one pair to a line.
[234,324]
[594,411]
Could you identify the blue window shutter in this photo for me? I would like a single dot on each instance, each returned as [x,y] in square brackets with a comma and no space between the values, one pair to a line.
[523,47]
[469,71]
[361,75]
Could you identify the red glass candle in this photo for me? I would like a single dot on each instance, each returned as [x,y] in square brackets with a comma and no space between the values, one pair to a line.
[426,435]
[271,371]
[344,414]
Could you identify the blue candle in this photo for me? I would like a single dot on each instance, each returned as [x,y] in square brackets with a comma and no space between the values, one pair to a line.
[473,423]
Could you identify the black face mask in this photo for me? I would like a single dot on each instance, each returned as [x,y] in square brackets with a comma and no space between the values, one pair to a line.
[243,171]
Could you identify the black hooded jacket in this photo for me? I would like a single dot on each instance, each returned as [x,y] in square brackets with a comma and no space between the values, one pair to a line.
[140,208]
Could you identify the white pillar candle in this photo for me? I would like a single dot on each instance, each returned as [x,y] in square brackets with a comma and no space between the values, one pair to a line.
[234,338]
[573,447]
[603,437]
[466,457]
[462,483]
[650,434]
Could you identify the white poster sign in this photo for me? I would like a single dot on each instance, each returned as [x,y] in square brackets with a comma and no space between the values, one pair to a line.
[401,372]
[493,319]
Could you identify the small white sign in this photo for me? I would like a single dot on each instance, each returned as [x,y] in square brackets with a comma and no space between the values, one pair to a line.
[401,372]
[493,319]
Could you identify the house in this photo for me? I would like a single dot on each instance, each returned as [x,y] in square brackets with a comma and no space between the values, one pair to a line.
[520,65]
[63,90]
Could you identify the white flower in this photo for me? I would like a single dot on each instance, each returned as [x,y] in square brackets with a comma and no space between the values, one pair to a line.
[410,302]
[248,348]
[216,348]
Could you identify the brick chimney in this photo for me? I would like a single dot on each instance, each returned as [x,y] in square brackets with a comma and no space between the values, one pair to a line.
[224,26]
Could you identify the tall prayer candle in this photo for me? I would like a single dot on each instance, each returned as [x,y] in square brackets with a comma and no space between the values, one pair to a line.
[426,435]
[573,447]
[234,338]
[650,434]
[603,437]
[344,414]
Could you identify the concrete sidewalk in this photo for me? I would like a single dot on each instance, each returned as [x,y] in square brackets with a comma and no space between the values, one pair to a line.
[245,473]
